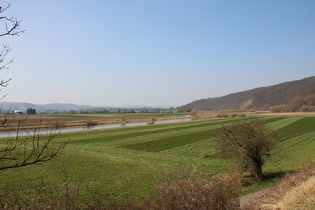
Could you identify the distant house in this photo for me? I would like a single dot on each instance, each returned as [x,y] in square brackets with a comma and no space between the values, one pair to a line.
[10,112]
[17,112]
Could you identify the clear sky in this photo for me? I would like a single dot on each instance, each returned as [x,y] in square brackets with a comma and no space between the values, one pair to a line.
[155,52]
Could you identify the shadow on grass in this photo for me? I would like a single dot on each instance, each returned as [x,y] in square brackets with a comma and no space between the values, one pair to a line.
[275,175]
[250,184]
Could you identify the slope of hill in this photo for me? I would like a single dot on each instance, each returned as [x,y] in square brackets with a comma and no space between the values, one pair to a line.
[261,98]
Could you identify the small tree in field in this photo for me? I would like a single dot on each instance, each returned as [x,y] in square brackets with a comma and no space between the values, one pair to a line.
[248,141]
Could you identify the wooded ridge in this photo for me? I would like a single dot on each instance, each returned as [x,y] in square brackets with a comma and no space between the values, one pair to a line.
[261,98]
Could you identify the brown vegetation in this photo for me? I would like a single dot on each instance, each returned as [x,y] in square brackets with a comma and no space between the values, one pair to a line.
[248,141]
[298,103]
[227,113]
[296,191]
[193,191]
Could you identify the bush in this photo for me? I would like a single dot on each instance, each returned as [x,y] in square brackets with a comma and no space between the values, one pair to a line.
[229,113]
[246,141]
[305,108]
[91,123]
[311,109]
[195,192]
[280,108]
[221,115]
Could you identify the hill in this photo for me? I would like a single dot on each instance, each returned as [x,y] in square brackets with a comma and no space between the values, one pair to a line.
[261,98]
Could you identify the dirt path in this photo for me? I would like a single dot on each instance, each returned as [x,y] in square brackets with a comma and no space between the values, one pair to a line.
[247,199]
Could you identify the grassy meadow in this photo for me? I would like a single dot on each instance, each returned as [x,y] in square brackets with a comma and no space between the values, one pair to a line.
[129,161]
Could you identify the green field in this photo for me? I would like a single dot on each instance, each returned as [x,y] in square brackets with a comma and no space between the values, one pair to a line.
[128,161]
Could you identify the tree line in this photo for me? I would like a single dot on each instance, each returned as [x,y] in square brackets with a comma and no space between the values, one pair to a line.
[297,104]
[118,111]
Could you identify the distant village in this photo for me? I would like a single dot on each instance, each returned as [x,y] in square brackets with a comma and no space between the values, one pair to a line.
[19,112]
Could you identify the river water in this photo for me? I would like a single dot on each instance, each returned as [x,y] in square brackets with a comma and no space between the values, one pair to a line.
[83,128]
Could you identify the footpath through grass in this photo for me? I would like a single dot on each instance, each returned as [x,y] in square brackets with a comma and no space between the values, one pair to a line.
[128,161]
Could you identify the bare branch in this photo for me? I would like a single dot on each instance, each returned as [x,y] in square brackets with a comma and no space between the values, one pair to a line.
[29,153]
[24,151]
[11,28]
[2,10]
[12,25]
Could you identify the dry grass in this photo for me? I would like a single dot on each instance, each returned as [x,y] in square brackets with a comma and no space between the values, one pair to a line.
[296,191]
[196,192]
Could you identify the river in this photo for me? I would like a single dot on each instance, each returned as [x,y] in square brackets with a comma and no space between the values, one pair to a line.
[26,132]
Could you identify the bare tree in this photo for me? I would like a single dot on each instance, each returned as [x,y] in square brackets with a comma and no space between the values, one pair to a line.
[11,27]
[27,150]
[248,141]
[12,24]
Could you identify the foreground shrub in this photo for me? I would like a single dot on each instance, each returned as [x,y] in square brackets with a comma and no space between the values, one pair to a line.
[195,192]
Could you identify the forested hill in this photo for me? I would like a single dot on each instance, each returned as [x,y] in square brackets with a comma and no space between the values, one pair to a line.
[261,98]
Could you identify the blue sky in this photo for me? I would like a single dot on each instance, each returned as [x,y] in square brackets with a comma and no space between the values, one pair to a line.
[145,52]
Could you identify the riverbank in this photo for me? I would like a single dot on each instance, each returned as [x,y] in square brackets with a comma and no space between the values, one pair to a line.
[42,130]
[23,122]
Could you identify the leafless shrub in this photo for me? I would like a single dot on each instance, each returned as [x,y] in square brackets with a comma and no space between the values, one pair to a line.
[152,121]
[248,141]
[241,115]
[233,115]
[221,115]
[91,123]
[23,151]
[196,192]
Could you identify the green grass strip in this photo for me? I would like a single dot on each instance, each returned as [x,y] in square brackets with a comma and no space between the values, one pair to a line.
[171,142]
[302,126]
[153,130]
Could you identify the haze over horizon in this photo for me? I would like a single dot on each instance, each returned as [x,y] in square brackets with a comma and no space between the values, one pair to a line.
[116,53]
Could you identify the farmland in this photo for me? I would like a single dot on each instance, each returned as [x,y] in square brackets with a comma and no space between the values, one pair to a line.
[128,161]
